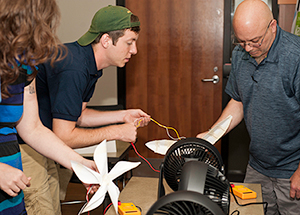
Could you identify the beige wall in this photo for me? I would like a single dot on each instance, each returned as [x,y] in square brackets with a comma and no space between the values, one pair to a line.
[76,16]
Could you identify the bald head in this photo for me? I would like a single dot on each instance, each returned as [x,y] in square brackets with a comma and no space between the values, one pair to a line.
[251,15]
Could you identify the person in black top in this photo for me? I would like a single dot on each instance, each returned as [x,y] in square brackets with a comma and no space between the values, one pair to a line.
[65,88]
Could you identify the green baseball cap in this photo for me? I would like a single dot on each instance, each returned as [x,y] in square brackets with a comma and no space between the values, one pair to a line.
[110,18]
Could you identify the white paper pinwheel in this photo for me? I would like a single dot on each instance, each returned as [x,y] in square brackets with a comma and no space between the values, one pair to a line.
[105,179]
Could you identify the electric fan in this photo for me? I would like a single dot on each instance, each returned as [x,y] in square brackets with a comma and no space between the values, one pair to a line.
[185,203]
[182,151]
[194,165]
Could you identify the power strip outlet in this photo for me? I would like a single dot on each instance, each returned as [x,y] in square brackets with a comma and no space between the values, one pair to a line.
[243,192]
[128,209]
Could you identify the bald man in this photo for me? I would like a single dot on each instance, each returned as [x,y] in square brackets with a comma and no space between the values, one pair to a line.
[264,86]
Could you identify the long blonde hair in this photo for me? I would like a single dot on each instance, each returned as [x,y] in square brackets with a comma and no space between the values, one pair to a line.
[27,34]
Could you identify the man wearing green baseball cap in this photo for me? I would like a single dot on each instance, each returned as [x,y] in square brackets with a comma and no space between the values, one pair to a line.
[64,89]
[110,18]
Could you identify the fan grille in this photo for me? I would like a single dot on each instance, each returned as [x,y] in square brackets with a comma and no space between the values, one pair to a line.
[186,150]
[185,203]
[184,208]
[217,188]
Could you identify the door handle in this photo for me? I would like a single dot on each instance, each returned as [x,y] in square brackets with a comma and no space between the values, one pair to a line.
[215,79]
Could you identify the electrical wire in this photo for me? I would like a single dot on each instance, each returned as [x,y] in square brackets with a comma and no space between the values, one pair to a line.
[107,207]
[138,207]
[72,202]
[236,211]
[155,170]
[87,199]
[167,129]
[163,126]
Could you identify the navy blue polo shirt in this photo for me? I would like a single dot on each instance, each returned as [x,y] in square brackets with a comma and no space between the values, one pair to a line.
[270,93]
[62,89]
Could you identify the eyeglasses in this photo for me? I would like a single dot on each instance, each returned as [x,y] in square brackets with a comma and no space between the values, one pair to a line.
[251,44]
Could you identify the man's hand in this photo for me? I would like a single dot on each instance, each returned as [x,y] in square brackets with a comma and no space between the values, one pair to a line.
[92,165]
[137,117]
[125,132]
[12,180]
[201,135]
[295,184]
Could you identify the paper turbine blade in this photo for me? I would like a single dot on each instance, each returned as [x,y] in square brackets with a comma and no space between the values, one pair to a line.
[100,158]
[114,193]
[96,200]
[121,167]
[85,174]
[160,146]
[218,131]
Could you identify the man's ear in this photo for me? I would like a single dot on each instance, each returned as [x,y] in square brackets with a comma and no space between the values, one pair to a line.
[105,40]
[274,26]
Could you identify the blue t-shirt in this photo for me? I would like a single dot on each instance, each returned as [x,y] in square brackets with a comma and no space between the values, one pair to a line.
[62,89]
[11,110]
[270,93]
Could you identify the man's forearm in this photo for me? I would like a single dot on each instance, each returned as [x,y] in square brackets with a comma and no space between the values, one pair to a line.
[83,137]
[94,118]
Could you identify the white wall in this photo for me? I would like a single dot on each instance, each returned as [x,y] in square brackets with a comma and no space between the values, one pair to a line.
[76,17]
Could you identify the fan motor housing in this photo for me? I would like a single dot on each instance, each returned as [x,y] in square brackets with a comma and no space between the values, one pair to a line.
[193,176]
